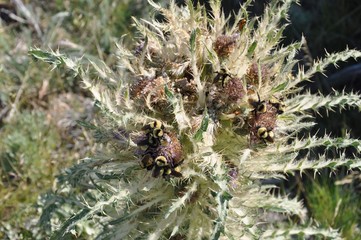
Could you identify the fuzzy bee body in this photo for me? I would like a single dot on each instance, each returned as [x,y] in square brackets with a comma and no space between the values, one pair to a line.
[154,131]
[265,134]
[150,127]
[258,105]
[221,75]
[278,104]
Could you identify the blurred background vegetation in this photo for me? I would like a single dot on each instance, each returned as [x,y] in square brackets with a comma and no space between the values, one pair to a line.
[39,108]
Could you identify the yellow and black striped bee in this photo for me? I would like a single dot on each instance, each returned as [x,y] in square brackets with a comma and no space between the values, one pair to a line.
[167,171]
[278,104]
[258,105]
[154,127]
[154,131]
[221,75]
[267,135]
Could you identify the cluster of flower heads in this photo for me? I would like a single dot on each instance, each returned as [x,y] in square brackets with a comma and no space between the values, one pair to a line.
[227,97]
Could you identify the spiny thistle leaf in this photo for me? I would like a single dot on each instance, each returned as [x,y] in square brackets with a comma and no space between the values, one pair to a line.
[69,224]
[310,101]
[305,232]
[192,41]
[320,65]
[56,59]
[203,128]
[251,49]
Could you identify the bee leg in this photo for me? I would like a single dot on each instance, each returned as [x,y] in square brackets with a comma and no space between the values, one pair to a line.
[167,173]
[176,172]
[153,141]
[143,142]
[157,171]
[147,162]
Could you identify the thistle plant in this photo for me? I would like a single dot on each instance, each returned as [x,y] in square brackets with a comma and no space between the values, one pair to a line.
[196,116]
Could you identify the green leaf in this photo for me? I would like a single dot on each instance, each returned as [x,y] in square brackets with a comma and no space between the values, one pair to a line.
[56,59]
[86,125]
[251,49]
[109,176]
[192,40]
[69,224]
[119,220]
[226,196]
[45,56]
[218,230]
[204,125]
[207,154]
[168,93]
[280,87]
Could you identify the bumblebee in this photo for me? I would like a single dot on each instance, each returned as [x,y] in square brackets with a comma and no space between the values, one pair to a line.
[267,135]
[166,172]
[152,126]
[176,172]
[221,75]
[155,138]
[259,106]
[154,131]
[278,104]
[158,133]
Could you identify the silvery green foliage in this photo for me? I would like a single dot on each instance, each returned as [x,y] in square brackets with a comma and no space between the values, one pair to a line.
[175,74]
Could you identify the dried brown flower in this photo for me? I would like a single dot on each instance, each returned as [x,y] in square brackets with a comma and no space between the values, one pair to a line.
[224,45]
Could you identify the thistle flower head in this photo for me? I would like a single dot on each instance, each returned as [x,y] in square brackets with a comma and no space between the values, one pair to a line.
[208,110]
